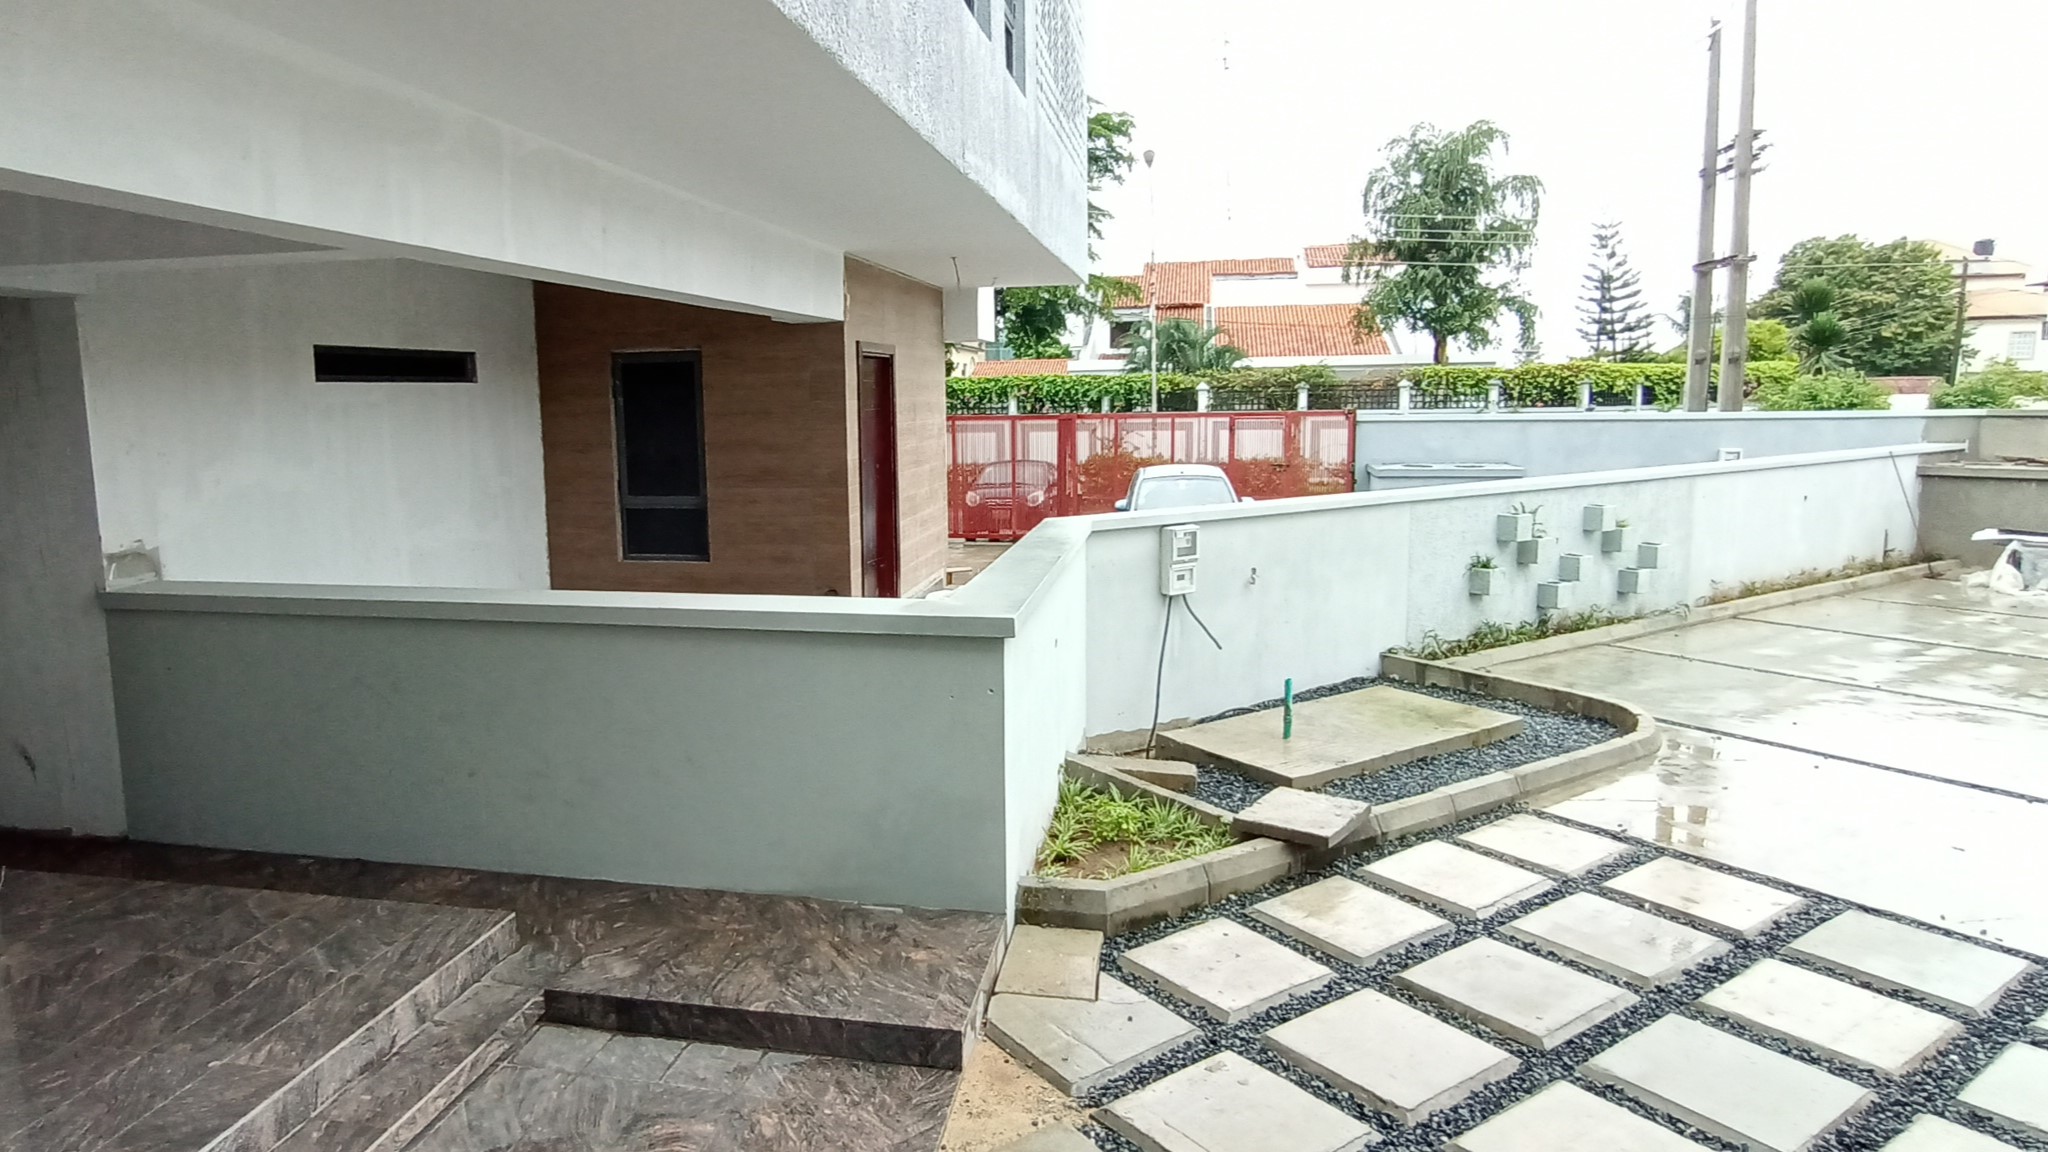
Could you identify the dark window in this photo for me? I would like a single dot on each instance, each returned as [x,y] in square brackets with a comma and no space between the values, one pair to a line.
[1013,38]
[658,407]
[337,364]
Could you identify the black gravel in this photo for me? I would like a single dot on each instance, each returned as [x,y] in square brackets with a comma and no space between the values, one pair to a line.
[1544,734]
[1930,1089]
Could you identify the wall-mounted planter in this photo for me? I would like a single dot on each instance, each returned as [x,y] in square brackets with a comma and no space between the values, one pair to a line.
[1482,581]
[1634,581]
[1601,517]
[1649,555]
[1614,540]
[1529,551]
[1513,527]
[1571,568]
[1553,594]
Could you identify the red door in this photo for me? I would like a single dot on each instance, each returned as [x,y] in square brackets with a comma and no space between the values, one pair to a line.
[877,402]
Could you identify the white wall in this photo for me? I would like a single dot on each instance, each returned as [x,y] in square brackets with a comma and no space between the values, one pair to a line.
[1045,686]
[59,765]
[213,444]
[1991,340]
[1316,588]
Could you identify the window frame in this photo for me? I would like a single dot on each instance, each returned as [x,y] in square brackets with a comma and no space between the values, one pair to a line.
[2014,337]
[1015,43]
[629,502]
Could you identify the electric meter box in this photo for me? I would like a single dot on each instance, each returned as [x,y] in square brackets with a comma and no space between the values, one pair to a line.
[1180,546]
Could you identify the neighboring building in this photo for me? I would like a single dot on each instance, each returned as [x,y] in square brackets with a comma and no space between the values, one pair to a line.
[2007,316]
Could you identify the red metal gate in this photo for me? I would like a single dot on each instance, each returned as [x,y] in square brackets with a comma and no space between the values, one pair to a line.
[1010,472]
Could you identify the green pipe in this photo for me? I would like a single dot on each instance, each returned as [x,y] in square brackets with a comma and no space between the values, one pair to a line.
[1287,711]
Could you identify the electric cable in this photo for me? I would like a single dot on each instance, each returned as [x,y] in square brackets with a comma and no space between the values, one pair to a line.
[1159,677]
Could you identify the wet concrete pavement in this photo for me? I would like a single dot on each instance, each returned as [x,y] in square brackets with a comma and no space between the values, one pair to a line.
[1888,747]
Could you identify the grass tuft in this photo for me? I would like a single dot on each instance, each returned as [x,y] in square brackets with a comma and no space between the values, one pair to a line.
[1104,833]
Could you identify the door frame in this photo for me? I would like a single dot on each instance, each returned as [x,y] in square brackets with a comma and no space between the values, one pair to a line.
[888,545]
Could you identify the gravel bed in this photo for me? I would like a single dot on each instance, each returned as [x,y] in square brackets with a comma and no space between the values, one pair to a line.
[1544,734]
[1930,1088]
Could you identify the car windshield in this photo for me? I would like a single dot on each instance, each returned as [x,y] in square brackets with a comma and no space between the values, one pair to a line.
[1182,492]
[1029,473]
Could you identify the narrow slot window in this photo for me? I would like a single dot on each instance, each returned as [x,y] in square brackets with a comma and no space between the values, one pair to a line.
[343,364]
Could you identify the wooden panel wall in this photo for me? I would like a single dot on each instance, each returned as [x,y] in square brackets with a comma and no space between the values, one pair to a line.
[777,414]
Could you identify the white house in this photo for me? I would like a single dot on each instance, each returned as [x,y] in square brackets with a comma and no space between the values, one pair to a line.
[2007,316]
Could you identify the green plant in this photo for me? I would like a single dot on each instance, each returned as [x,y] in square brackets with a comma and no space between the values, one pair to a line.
[1496,634]
[1896,302]
[1720,593]
[1478,561]
[1184,346]
[1150,831]
[1825,392]
[2001,384]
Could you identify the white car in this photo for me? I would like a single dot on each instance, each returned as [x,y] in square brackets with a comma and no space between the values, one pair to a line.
[1178,486]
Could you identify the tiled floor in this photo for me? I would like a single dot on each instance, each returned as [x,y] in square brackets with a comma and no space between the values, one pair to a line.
[145,1015]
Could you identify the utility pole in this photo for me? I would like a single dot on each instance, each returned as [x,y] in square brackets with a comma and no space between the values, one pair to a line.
[1151,287]
[1700,334]
[1985,249]
[1735,335]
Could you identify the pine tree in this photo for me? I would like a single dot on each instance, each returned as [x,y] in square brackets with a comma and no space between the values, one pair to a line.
[1617,322]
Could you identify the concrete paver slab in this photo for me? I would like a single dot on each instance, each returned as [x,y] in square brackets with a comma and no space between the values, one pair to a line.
[1728,1086]
[1524,997]
[1338,736]
[1225,969]
[1621,941]
[1399,1060]
[1173,775]
[1349,920]
[1831,1018]
[2013,1091]
[1889,954]
[1229,1104]
[1933,1134]
[1079,1044]
[1056,1138]
[1299,817]
[1051,962]
[1926,623]
[1454,879]
[1567,1118]
[1555,848]
[1708,898]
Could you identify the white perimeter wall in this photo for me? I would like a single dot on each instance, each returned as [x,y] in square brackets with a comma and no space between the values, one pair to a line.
[212,443]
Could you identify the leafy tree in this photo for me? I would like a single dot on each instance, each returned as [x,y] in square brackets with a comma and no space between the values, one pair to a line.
[1456,232]
[1768,340]
[1896,302]
[1184,346]
[2001,384]
[1822,392]
[1681,320]
[1617,323]
[1033,320]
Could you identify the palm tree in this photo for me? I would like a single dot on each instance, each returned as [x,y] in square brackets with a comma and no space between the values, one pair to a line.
[1821,334]
[1184,346]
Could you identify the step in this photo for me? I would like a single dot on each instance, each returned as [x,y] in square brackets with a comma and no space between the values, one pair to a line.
[383,1110]
[1345,735]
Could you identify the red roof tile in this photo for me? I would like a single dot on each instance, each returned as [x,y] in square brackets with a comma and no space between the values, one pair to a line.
[1021,368]
[1326,255]
[1186,282]
[1298,330]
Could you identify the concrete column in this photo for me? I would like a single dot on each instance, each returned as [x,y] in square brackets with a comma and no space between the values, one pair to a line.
[1013,403]
[1407,388]
[1585,395]
[1493,393]
[1202,396]
[60,765]
[1301,398]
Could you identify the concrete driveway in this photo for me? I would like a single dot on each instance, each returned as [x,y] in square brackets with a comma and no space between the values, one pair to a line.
[1889,747]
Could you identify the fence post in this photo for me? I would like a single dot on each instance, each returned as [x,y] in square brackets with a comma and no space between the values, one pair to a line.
[1641,391]
[1202,396]
[1407,398]
[1493,396]
[1585,395]
[1105,402]
[1013,403]
[1301,398]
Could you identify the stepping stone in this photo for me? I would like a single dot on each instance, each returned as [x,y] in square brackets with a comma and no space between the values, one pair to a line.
[1734,1089]
[1454,879]
[1642,949]
[1225,969]
[1229,1104]
[1398,1060]
[1539,1002]
[1900,957]
[1710,899]
[1299,817]
[1348,920]
[1933,1134]
[1545,844]
[1831,1018]
[1567,1118]
[1080,1044]
[2013,1091]
[1337,736]
[1051,962]
[1172,775]
[1058,1138]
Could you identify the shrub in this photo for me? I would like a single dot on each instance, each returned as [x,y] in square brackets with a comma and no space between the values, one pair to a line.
[1825,392]
[2000,385]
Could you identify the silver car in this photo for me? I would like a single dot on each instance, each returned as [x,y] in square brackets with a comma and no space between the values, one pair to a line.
[1178,486]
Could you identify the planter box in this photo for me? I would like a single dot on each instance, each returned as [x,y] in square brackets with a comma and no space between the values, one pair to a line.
[1529,551]
[1513,527]
[1571,568]
[1634,581]
[1649,555]
[1600,517]
[1614,539]
[1482,581]
[1553,594]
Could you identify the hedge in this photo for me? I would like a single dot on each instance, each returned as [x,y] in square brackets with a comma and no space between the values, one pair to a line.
[1533,386]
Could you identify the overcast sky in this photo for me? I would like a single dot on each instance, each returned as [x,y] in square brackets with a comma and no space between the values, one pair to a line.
[1887,118]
